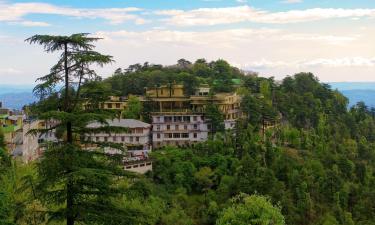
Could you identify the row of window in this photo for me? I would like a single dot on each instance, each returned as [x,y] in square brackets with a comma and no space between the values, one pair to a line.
[177,127]
[177,118]
[176,135]
[114,139]
[138,165]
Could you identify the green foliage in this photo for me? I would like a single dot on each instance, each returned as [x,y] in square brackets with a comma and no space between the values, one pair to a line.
[252,210]
[316,162]
[134,108]
[77,185]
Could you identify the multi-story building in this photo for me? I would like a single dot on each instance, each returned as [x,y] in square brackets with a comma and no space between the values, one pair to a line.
[115,102]
[173,120]
[179,118]
[136,140]
[178,129]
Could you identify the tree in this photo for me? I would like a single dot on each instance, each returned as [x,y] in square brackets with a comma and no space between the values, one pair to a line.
[77,182]
[134,108]
[251,210]
[215,118]
[5,203]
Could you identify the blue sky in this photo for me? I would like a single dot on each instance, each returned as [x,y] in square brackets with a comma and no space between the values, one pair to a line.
[331,38]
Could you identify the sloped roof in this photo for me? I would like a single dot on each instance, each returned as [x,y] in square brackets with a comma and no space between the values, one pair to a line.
[128,123]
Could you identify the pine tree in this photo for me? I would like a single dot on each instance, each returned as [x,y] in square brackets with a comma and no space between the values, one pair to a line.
[78,183]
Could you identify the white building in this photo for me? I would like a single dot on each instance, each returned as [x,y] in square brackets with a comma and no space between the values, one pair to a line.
[30,143]
[136,140]
[178,129]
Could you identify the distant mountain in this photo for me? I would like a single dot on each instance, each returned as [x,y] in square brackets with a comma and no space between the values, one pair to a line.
[17,100]
[10,88]
[343,86]
[357,91]
[354,96]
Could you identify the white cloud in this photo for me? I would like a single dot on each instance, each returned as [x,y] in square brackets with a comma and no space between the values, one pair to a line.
[28,23]
[319,62]
[9,71]
[223,38]
[17,11]
[228,15]
[292,1]
[241,1]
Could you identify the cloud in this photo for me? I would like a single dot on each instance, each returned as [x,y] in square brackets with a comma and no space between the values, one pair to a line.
[241,1]
[229,15]
[223,38]
[292,1]
[27,23]
[319,62]
[17,11]
[9,71]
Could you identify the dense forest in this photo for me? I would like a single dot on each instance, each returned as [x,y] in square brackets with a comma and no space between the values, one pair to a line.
[314,165]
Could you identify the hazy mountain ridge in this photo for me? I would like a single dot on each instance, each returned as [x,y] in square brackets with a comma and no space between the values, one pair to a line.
[16,96]
[17,100]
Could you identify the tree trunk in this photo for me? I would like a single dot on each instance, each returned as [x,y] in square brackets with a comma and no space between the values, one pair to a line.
[69,133]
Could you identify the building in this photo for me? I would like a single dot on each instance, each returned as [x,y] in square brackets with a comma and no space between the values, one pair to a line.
[178,129]
[178,118]
[115,102]
[31,150]
[136,140]
[228,104]
[11,123]
[174,122]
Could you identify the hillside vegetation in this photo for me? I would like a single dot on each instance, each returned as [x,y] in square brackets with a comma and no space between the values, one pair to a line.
[314,166]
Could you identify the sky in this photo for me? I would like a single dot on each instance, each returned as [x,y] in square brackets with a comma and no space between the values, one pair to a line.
[334,39]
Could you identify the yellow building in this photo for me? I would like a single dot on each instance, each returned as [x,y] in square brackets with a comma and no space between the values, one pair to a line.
[168,98]
[11,126]
[115,102]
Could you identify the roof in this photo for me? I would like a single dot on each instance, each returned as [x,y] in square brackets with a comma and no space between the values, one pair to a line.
[128,123]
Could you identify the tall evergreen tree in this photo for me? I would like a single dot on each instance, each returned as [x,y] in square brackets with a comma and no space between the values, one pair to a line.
[78,183]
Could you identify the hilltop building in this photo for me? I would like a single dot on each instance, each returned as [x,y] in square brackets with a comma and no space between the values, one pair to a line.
[178,118]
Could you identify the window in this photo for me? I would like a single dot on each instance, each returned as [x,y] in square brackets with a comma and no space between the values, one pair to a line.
[185,127]
[195,118]
[106,139]
[187,118]
[176,135]
[168,119]
[176,127]
[158,119]
[168,127]
[168,135]
[114,139]
[109,105]
[131,139]
[158,127]
[137,139]
[123,139]
[195,135]
[97,139]
[185,135]
[195,126]
[158,136]
[118,105]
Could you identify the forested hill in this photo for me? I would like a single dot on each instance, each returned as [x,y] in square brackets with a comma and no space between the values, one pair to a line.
[299,156]
[317,163]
